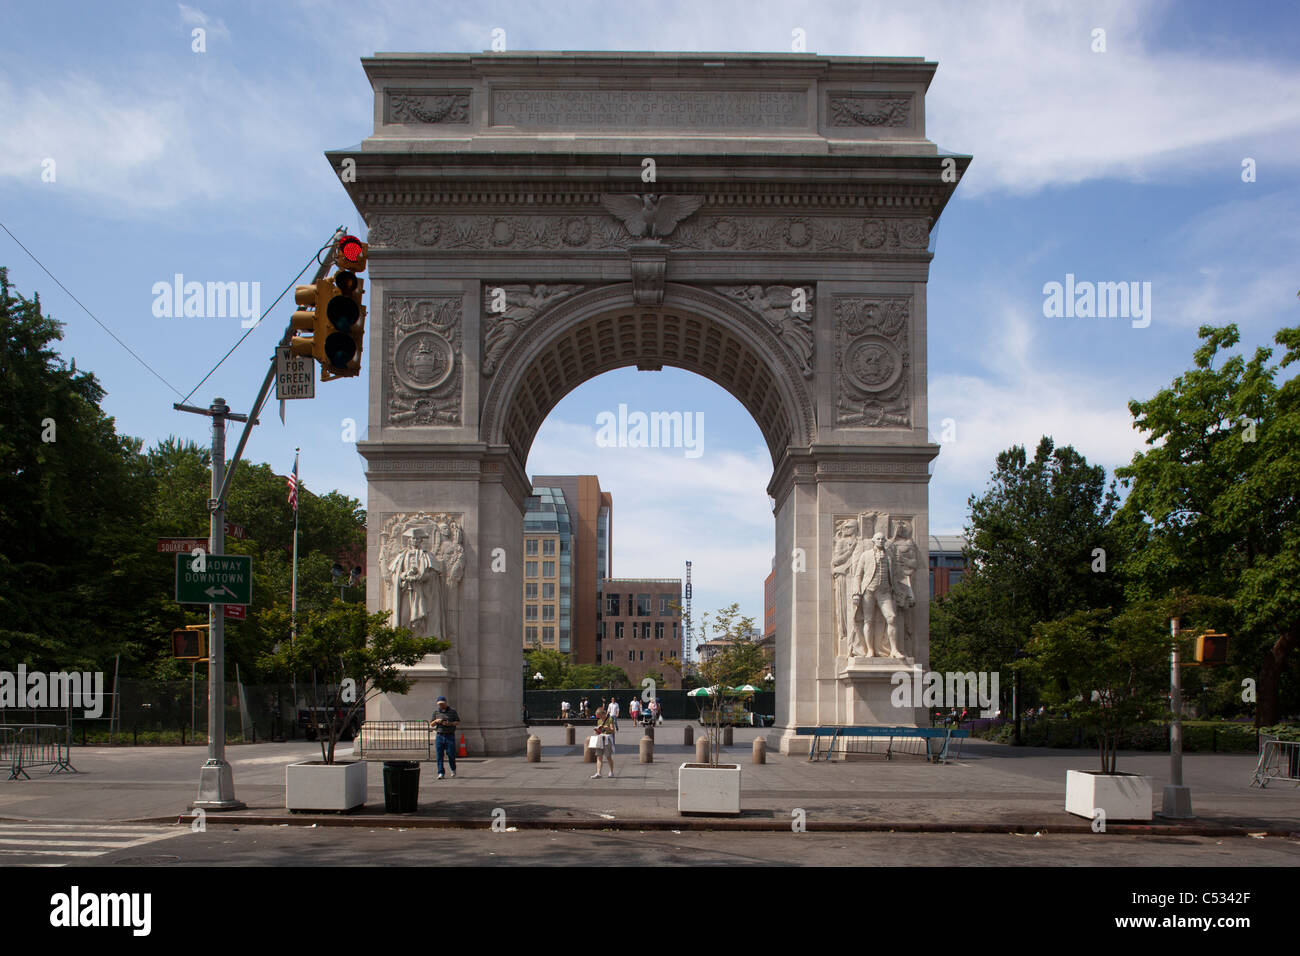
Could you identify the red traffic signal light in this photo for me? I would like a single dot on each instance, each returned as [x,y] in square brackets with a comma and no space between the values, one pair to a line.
[350,254]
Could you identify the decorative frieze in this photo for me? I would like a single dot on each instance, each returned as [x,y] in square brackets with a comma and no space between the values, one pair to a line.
[848,234]
[870,109]
[426,106]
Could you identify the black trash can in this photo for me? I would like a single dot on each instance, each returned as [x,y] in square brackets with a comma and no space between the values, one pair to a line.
[401,786]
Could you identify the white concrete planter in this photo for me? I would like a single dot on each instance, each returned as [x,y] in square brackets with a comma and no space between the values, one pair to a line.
[312,785]
[1123,796]
[705,789]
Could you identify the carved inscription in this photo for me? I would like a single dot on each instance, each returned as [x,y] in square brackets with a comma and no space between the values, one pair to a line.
[650,109]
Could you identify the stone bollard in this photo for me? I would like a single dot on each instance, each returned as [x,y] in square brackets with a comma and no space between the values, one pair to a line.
[726,735]
[534,749]
[588,755]
[650,731]
[702,750]
[568,734]
[688,736]
[760,750]
[647,750]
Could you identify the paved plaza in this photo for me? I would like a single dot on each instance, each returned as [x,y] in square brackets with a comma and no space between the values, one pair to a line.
[989,787]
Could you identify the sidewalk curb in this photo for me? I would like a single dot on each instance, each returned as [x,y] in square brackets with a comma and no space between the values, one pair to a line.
[695,824]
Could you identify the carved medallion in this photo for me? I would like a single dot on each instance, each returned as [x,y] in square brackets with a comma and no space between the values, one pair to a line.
[872,362]
[424,360]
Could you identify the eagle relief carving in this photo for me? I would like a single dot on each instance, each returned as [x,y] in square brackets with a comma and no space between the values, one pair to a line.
[649,215]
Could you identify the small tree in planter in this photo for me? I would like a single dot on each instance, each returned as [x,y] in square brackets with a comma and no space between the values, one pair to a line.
[1109,671]
[359,656]
[739,661]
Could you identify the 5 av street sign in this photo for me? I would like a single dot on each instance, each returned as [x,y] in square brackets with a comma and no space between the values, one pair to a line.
[225,579]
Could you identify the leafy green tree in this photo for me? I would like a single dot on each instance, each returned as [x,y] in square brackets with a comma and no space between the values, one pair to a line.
[552,665]
[355,656]
[737,662]
[1109,671]
[1043,543]
[1219,489]
[70,505]
[605,676]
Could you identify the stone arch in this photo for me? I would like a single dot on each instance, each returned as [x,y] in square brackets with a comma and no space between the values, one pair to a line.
[603,329]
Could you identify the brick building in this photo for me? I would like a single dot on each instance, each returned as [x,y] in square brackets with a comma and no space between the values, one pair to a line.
[643,627]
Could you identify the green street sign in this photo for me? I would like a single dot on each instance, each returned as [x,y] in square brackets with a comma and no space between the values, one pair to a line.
[225,579]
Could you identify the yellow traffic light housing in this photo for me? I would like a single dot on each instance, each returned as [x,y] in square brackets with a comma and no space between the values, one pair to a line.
[1212,648]
[344,326]
[190,643]
[304,320]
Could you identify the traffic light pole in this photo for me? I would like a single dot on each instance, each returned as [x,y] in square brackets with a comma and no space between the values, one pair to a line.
[216,779]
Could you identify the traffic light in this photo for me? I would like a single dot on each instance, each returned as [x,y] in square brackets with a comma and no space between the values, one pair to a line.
[343,331]
[190,643]
[1212,648]
[350,254]
[331,311]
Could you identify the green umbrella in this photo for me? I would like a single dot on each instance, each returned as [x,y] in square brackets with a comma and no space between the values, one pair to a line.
[700,692]
[747,689]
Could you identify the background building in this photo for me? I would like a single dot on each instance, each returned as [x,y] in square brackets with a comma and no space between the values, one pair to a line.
[582,524]
[643,627]
[548,572]
[947,562]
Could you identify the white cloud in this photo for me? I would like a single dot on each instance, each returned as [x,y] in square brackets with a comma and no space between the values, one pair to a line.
[1086,407]
[193,17]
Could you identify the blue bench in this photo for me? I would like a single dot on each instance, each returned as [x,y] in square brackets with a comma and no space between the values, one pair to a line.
[938,740]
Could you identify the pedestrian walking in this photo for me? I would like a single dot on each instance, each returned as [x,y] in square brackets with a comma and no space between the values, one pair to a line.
[634,709]
[445,720]
[656,711]
[612,712]
[605,730]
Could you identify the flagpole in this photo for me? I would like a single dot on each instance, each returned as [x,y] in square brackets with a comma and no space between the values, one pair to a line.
[293,600]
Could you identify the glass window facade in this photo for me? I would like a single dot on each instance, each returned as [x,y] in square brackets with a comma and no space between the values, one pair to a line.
[643,605]
[548,523]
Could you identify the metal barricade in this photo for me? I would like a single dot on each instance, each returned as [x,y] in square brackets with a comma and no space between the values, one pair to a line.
[394,740]
[9,749]
[39,745]
[1278,760]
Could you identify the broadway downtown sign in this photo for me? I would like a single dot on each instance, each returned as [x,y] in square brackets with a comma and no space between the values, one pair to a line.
[214,579]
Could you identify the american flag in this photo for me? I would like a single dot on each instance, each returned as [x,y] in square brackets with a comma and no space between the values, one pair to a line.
[292,482]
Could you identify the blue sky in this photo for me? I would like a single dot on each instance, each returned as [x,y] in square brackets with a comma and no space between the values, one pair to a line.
[1122,165]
